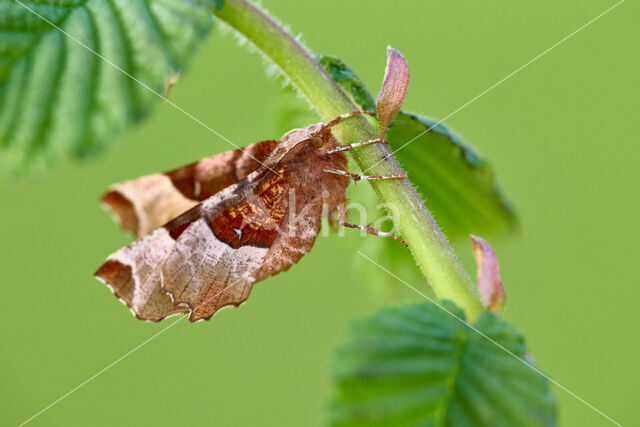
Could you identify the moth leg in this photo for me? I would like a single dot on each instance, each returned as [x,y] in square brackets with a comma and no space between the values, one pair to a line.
[356,177]
[349,147]
[374,231]
[347,115]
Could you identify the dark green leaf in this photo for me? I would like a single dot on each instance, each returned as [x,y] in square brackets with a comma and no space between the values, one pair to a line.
[58,99]
[457,184]
[348,81]
[218,4]
[419,365]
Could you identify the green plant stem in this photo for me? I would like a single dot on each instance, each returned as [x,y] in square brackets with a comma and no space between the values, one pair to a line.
[427,243]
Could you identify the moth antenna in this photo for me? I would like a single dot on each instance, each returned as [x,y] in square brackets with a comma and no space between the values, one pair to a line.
[350,147]
[342,117]
[374,231]
[356,177]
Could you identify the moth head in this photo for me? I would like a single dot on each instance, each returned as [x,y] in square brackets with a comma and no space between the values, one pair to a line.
[317,134]
[317,141]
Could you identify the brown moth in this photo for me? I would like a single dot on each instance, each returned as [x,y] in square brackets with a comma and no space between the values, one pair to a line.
[210,230]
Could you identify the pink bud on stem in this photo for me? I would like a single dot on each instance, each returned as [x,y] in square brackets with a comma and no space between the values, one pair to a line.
[489,282]
[394,88]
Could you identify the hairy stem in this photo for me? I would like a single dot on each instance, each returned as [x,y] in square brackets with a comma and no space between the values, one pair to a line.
[428,245]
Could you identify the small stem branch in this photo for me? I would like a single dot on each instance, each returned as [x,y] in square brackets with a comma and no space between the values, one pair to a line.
[428,245]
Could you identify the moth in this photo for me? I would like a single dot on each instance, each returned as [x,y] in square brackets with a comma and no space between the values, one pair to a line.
[207,232]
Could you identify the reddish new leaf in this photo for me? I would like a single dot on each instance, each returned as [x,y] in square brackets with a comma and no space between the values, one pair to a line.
[394,88]
[489,282]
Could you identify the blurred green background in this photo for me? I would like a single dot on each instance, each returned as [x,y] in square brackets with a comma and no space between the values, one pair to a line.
[562,135]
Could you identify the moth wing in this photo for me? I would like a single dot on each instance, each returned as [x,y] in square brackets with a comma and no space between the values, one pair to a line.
[221,253]
[133,273]
[210,256]
[144,204]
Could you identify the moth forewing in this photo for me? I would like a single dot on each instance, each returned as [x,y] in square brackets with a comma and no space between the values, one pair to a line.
[244,231]
[235,219]
[144,204]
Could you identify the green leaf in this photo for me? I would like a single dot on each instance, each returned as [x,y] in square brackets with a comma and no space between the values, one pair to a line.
[419,365]
[348,81]
[457,184]
[58,99]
